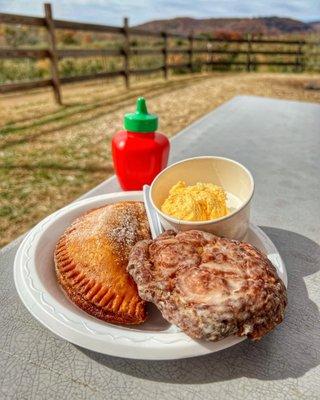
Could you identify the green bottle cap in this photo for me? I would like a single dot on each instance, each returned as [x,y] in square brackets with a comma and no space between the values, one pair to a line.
[141,120]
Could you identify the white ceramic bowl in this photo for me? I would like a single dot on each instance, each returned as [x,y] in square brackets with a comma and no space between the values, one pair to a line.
[231,175]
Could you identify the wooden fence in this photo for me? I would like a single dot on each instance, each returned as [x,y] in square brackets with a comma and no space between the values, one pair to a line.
[54,54]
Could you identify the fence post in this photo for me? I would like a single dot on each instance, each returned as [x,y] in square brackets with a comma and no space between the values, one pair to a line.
[302,58]
[126,51]
[249,52]
[299,63]
[165,54]
[190,51]
[211,53]
[53,53]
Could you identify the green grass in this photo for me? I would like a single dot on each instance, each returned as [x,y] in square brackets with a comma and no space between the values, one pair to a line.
[51,155]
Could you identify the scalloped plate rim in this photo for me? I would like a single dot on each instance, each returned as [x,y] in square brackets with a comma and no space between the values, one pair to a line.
[113,340]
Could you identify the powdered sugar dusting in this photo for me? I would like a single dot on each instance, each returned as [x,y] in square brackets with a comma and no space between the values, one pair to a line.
[131,227]
[123,224]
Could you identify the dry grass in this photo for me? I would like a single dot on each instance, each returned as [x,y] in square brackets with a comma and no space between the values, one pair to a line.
[49,155]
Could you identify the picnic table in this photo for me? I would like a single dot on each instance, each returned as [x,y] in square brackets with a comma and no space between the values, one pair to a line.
[279,141]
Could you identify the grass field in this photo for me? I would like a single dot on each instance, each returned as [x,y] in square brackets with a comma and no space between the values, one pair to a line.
[50,155]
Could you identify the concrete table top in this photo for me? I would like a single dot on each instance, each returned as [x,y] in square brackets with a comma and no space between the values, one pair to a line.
[279,141]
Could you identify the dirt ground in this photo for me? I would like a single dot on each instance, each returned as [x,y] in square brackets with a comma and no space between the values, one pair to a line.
[50,155]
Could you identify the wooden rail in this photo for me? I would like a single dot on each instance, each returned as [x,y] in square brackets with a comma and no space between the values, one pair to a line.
[54,54]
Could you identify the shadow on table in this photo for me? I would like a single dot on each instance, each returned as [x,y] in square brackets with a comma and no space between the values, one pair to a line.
[290,351]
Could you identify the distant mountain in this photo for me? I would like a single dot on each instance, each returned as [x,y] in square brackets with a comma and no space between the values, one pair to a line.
[315,25]
[263,25]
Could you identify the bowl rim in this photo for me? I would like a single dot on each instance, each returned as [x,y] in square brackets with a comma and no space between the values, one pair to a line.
[211,221]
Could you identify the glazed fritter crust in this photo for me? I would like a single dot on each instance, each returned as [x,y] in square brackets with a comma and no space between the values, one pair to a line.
[210,287]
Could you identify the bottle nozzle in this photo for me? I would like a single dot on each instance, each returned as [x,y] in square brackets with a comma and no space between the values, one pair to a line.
[141,106]
[141,120]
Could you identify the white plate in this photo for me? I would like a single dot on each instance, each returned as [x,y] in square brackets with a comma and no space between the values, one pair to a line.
[156,339]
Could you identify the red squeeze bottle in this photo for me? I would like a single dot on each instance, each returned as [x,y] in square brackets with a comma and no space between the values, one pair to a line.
[139,152]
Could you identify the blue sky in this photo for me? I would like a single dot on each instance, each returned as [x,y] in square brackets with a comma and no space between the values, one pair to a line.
[111,12]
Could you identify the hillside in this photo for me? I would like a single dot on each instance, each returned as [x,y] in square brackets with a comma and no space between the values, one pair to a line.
[315,25]
[263,25]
